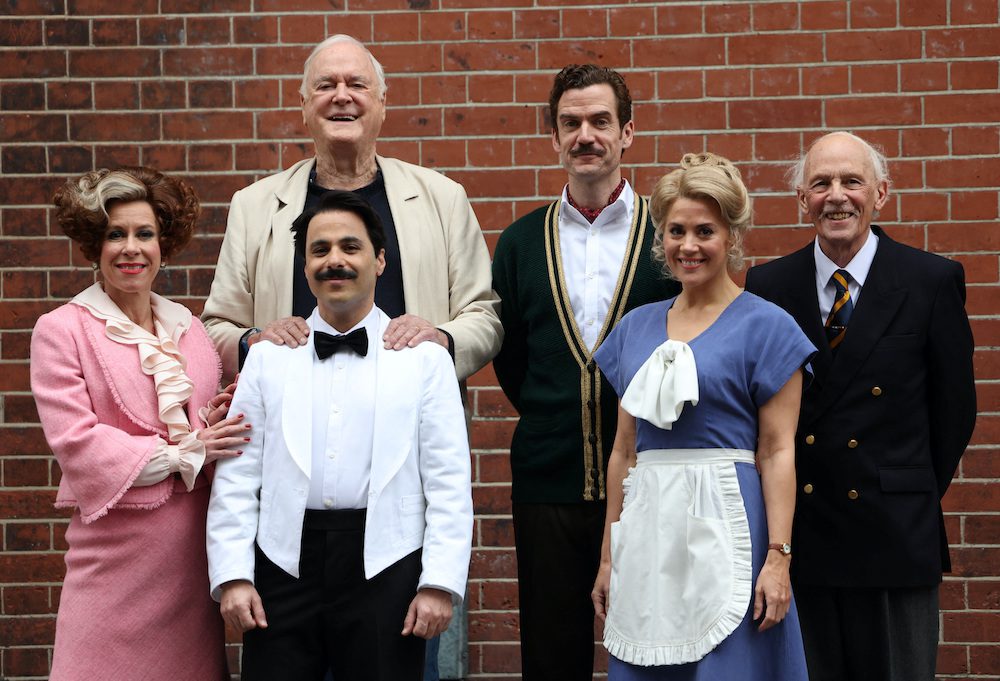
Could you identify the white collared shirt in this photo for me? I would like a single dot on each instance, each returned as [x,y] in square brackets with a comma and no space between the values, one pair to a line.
[858,268]
[343,419]
[592,256]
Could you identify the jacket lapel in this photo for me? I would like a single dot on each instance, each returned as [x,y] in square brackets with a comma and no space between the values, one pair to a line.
[291,198]
[296,407]
[407,214]
[395,380]
[880,299]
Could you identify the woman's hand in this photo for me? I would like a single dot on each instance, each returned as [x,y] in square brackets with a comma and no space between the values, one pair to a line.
[602,585]
[773,593]
[225,439]
[218,406]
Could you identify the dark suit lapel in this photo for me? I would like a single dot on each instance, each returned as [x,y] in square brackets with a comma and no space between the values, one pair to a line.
[803,305]
[880,299]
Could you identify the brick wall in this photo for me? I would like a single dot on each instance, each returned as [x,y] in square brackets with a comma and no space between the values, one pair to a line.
[207,89]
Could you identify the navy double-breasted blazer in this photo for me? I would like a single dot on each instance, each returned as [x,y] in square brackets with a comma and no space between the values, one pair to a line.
[884,422]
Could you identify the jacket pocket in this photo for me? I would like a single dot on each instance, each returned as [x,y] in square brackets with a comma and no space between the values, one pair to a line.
[907,479]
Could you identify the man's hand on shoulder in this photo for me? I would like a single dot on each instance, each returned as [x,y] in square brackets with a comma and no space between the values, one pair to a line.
[290,331]
[241,606]
[409,331]
[429,613]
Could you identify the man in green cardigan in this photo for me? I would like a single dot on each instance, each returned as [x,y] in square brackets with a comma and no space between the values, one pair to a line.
[566,273]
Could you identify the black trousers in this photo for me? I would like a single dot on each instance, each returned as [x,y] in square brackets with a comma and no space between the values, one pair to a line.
[331,617]
[558,553]
[856,634]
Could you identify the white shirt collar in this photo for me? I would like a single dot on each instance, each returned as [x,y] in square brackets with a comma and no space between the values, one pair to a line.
[858,268]
[611,213]
[370,322]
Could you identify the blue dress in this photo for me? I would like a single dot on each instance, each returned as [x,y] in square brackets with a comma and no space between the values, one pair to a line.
[743,359]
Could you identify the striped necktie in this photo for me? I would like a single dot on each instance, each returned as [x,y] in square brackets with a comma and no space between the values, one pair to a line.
[840,313]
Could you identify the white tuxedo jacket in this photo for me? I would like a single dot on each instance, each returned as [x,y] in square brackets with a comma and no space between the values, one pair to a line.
[420,492]
[446,265]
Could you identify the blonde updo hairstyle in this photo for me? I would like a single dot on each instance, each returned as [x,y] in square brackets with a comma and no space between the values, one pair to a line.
[82,206]
[707,177]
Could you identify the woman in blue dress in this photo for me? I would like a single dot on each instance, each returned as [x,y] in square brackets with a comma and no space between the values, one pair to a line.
[694,580]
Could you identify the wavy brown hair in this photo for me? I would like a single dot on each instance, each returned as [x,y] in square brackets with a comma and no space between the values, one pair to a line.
[82,206]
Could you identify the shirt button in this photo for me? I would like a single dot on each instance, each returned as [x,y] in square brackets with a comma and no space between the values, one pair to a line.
[590,322]
[852,494]
[810,439]
[852,443]
[876,391]
[807,488]
[328,503]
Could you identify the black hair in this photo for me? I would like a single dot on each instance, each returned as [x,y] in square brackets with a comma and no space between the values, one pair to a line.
[337,200]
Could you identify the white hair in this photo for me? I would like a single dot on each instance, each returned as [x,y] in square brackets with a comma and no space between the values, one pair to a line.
[796,174]
[334,40]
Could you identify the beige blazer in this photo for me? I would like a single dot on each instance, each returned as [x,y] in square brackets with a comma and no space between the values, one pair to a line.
[446,265]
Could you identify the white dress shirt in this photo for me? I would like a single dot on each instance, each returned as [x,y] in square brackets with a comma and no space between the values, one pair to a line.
[858,268]
[592,256]
[343,409]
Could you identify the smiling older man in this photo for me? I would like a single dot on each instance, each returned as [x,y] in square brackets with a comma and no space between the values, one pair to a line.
[436,285]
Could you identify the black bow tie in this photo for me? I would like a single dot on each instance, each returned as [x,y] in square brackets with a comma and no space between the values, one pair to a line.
[327,344]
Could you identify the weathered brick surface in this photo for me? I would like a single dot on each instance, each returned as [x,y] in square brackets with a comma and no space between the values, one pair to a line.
[209,91]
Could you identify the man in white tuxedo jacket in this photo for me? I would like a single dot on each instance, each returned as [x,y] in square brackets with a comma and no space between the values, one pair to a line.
[342,534]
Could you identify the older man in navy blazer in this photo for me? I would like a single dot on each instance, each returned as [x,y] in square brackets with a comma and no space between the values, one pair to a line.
[882,426]
[342,534]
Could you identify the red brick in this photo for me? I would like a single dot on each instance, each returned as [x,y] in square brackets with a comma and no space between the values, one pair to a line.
[776,82]
[33,64]
[963,108]
[975,140]
[727,18]
[923,206]
[114,127]
[825,80]
[874,45]
[682,115]
[970,626]
[502,658]
[536,23]
[874,78]
[22,96]
[27,537]
[952,660]
[850,112]
[492,564]
[496,532]
[971,172]
[210,94]
[255,29]
[632,21]
[116,95]
[208,125]
[873,14]
[974,75]
[824,15]
[497,595]
[973,12]
[493,468]
[974,205]
[671,19]
[665,52]
[984,660]
[161,31]
[493,626]
[114,32]
[555,55]
[163,94]
[923,12]
[23,160]
[23,662]
[228,6]
[924,76]
[103,63]
[774,49]
[491,499]
[20,33]
[963,42]
[952,594]
[775,113]
[209,61]
[726,82]
[491,25]
[925,142]
[779,16]
[736,147]
[208,31]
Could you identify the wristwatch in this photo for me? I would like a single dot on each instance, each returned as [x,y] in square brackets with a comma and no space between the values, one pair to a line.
[784,548]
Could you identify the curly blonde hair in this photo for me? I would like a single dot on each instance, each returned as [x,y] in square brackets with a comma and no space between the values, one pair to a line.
[709,177]
[82,206]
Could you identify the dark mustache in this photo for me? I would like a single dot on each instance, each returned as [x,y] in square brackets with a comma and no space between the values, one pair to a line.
[335,273]
[586,149]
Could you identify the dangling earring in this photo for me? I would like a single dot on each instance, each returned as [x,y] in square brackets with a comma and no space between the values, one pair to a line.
[163,264]
[94,265]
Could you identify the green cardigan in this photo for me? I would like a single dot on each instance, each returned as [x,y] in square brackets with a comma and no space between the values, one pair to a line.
[568,409]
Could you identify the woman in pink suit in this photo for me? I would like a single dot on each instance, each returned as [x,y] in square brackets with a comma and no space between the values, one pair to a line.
[122,377]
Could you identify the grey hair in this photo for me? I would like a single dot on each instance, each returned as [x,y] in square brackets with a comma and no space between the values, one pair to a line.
[334,40]
[95,190]
[796,173]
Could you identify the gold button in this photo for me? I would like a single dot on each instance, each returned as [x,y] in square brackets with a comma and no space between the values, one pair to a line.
[852,494]
[876,391]
[852,443]
[807,488]
[810,439]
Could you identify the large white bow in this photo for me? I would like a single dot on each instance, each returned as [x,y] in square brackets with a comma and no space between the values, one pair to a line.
[662,385]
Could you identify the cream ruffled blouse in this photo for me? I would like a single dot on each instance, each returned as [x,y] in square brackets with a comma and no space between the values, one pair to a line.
[161,358]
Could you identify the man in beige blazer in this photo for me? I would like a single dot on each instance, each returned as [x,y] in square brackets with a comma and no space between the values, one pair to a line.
[437,285]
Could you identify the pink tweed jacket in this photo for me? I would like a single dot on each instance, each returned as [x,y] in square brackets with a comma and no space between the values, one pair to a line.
[99,410]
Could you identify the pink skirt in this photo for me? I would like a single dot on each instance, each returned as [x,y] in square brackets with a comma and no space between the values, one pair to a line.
[135,602]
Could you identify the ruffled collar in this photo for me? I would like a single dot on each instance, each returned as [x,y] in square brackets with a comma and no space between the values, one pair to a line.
[159,354]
